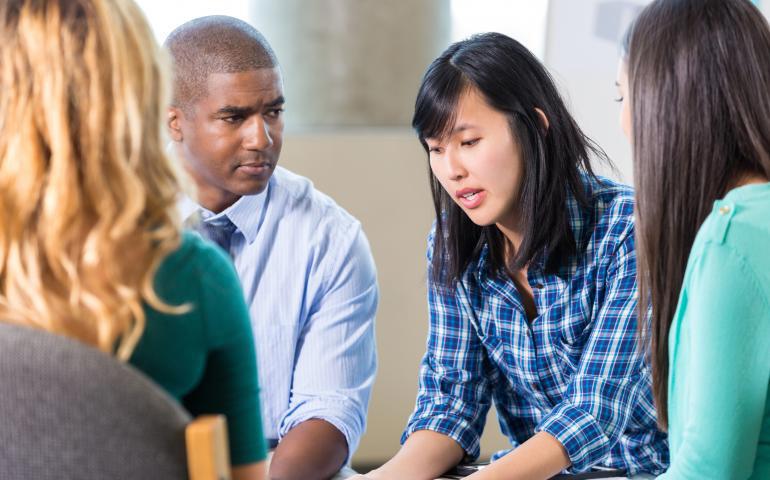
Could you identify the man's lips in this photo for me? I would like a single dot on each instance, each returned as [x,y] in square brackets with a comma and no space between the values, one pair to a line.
[470,197]
[255,168]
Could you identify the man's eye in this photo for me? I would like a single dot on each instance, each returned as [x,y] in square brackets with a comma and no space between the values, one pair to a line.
[275,112]
[233,119]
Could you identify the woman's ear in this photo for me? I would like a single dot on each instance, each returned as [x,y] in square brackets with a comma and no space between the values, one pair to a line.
[543,118]
[174,124]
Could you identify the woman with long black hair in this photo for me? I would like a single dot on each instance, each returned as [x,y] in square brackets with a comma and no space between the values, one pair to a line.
[531,280]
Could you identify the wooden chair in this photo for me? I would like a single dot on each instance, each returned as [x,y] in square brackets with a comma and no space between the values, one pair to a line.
[68,411]
[208,455]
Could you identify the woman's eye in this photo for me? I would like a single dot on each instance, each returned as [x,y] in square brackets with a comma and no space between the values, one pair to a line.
[434,149]
[619,99]
[470,143]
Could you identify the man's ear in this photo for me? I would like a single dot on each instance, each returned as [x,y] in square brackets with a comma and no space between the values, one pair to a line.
[543,119]
[175,124]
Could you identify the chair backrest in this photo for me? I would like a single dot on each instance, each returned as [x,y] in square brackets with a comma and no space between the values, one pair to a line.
[68,411]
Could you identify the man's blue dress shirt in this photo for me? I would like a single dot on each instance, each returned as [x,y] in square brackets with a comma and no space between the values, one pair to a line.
[310,282]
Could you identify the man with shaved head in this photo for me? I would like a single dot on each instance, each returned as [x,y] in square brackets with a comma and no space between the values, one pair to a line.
[305,265]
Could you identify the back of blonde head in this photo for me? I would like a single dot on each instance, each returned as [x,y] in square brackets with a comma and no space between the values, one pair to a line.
[86,191]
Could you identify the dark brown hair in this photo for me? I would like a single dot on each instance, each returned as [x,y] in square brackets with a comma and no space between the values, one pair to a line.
[699,77]
[511,80]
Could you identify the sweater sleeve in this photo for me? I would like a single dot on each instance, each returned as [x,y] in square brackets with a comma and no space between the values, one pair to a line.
[229,384]
[727,370]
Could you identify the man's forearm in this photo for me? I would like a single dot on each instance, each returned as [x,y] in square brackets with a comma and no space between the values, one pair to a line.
[313,450]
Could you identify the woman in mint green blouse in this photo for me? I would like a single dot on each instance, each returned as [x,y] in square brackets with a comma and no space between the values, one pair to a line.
[695,84]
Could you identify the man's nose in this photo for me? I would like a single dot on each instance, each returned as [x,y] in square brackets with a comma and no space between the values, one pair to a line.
[257,135]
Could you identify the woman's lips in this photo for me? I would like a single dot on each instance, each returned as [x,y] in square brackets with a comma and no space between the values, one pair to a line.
[470,197]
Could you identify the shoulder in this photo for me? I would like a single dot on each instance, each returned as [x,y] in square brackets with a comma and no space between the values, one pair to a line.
[195,260]
[315,224]
[741,225]
[297,199]
[200,275]
[740,216]
[444,256]
[431,241]
[612,206]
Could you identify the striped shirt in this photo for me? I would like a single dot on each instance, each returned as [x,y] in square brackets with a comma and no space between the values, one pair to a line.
[310,283]
[575,371]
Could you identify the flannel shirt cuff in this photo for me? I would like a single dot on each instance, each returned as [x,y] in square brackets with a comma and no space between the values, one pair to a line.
[458,430]
[579,433]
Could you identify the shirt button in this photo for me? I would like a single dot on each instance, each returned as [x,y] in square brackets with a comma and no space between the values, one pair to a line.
[724,209]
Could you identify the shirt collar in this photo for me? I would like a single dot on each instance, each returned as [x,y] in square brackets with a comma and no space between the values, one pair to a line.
[244,213]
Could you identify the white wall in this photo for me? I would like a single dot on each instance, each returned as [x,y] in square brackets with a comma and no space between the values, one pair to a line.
[582,52]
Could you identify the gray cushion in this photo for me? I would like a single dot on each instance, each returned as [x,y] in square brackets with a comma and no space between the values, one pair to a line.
[68,411]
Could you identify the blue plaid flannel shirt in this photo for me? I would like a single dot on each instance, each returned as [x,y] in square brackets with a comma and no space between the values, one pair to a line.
[575,371]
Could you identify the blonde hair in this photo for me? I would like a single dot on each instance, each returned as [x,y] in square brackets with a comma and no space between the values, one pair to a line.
[87,194]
